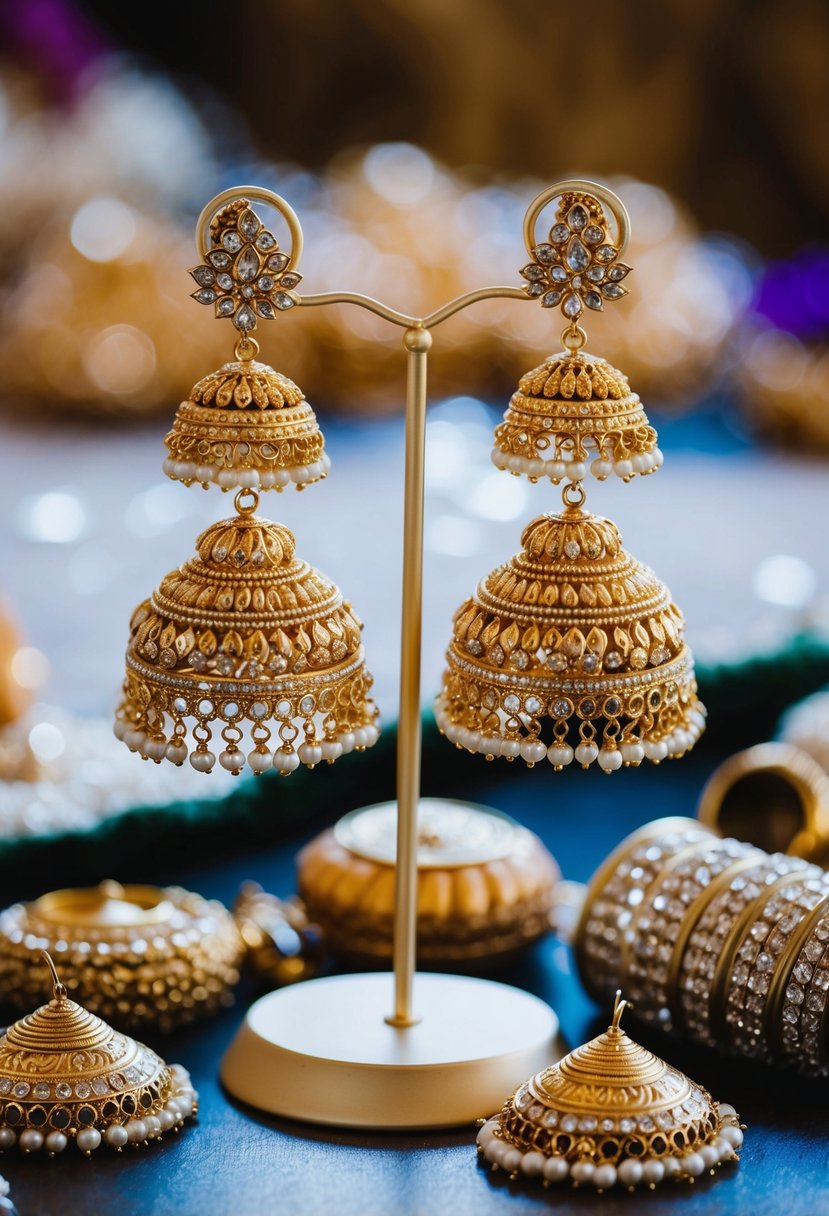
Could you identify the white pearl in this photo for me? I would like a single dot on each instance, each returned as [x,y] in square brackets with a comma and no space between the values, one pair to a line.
[640,462]
[325,461]
[202,762]
[181,469]
[658,458]
[310,753]
[732,1136]
[709,1154]
[267,479]
[134,738]
[56,1142]
[586,753]
[361,736]
[532,1164]
[511,1159]
[652,1171]
[136,1131]
[604,1177]
[372,734]
[168,467]
[623,468]
[281,478]
[7,1138]
[259,761]
[31,1140]
[227,479]
[88,1140]
[510,748]
[120,728]
[492,1150]
[248,479]
[560,754]
[601,469]
[486,1132]
[498,458]
[233,760]
[582,1171]
[670,1166]
[556,1169]
[285,762]
[536,468]
[610,759]
[116,1136]
[176,751]
[576,470]
[332,749]
[725,1108]
[632,753]
[630,1172]
[205,472]
[693,1164]
[153,1125]
[471,740]
[515,464]
[166,1119]
[490,745]
[533,750]
[556,469]
[655,750]
[347,742]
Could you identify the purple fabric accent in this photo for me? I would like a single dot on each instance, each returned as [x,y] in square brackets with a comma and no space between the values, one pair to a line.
[53,38]
[794,295]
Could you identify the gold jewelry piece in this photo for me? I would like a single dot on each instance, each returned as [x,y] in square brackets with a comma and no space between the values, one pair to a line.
[575,409]
[611,1112]
[484,889]
[283,946]
[774,795]
[246,638]
[140,956]
[573,628]
[246,425]
[66,1075]
[727,943]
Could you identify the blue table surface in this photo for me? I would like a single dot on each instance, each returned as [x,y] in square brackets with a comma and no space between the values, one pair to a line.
[234,1162]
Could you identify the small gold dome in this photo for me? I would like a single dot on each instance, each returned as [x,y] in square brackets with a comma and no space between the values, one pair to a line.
[246,426]
[573,413]
[575,629]
[250,640]
[611,1112]
[65,1074]
[484,887]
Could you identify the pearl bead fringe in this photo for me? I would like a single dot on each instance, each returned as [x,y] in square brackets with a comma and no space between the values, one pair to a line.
[246,479]
[568,469]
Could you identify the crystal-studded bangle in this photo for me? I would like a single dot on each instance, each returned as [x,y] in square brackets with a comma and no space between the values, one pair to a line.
[798,999]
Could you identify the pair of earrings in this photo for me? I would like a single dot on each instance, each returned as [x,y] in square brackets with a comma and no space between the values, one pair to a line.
[248,641]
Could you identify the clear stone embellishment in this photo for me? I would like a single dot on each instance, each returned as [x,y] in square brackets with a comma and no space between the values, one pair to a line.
[544,253]
[593,234]
[226,306]
[611,291]
[266,241]
[578,258]
[577,217]
[278,261]
[204,276]
[595,274]
[232,241]
[606,253]
[218,258]
[265,309]
[551,299]
[244,318]
[593,300]
[572,548]
[247,265]
[41,1090]
[283,301]
[21,1089]
[473,646]
[249,224]
[558,274]
[559,233]
[572,306]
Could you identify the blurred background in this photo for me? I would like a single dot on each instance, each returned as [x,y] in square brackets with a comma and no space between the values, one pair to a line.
[410,139]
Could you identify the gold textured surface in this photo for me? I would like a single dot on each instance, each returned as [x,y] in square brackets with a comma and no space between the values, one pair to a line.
[573,629]
[245,636]
[467,910]
[171,956]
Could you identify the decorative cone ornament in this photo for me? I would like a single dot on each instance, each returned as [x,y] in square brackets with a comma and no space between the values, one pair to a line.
[66,1075]
[611,1112]
[248,641]
[572,650]
[572,413]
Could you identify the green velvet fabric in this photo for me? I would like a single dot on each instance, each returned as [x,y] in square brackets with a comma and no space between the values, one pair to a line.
[744,702]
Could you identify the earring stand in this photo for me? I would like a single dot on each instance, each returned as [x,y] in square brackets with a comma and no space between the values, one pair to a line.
[450,1049]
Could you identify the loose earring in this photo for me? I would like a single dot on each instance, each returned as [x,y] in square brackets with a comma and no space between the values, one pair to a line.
[573,629]
[245,638]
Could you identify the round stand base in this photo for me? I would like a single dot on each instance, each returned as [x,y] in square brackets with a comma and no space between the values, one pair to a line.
[323,1052]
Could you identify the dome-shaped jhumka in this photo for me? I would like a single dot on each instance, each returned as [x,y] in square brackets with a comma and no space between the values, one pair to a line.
[611,1112]
[246,426]
[67,1075]
[573,629]
[246,639]
[572,414]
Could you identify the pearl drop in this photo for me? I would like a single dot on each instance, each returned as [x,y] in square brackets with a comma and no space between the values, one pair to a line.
[248,479]
[325,461]
[498,458]
[281,478]
[532,1164]
[576,470]
[510,748]
[120,728]
[233,760]
[709,1154]
[486,1132]
[267,479]
[372,734]
[31,1140]
[56,1142]
[651,1171]
[285,762]
[533,750]
[556,1169]
[658,458]
[693,1164]
[640,462]
[116,1136]
[205,472]
[88,1140]
[490,745]
[604,1177]
[332,749]
[582,1171]
[471,740]
[492,1150]
[515,464]
[655,750]
[630,1172]
[623,468]
[586,753]
[136,1131]
[176,751]
[725,1108]
[134,739]
[560,754]
[310,753]
[511,1159]
[632,753]
[732,1136]
[227,479]
[670,1166]
[7,1138]
[153,1125]
[202,762]
[166,1119]
[259,761]
[168,467]
[181,469]
[556,469]
[536,468]
[610,759]
[347,742]
[601,469]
